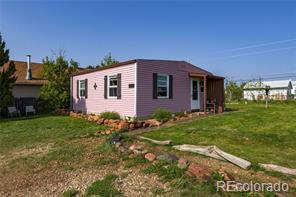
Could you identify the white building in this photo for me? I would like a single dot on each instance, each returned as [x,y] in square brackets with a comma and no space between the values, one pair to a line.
[294,89]
[279,90]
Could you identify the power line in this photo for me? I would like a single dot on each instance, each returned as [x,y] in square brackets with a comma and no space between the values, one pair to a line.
[262,75]
[259,45]
[267,78]
[256,53]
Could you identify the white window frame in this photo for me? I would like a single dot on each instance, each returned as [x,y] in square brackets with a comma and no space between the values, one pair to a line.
[113,86]
[167,86]
[79,88]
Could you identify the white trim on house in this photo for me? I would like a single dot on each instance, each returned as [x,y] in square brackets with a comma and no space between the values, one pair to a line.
[167,86]
[79,88]
[113,86]
[135,89]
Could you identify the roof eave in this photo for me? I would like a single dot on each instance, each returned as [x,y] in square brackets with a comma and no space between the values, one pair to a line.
[105,68]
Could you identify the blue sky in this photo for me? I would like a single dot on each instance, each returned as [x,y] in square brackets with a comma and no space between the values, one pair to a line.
[207,34]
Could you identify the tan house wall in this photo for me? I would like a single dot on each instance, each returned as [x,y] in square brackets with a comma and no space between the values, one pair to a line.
[21,91]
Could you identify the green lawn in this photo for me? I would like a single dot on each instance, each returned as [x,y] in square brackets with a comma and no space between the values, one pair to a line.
[42,129]
[251,132]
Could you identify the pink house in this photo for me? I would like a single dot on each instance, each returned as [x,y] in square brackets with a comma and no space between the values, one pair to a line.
[138,87]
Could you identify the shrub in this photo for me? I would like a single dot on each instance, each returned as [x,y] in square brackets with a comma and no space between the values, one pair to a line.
[162,114]
[181,114]
[110,115]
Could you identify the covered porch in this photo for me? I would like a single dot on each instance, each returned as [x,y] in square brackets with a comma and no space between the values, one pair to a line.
[211,92]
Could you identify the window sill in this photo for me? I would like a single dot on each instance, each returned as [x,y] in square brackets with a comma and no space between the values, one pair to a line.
[113,97]
[162,97]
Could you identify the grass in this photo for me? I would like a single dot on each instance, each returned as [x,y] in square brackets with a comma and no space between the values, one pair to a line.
[135,161]
[27,133]
[250,131]
[70,193]
[167,172]
[103,188]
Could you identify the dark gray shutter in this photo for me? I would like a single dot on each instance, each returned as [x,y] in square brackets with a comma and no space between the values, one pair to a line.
[154,85]
[86,88]
[77,88]
[171,87]
[105,87]
[119,86]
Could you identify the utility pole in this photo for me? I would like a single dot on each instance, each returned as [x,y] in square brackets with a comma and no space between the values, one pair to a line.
[267,89]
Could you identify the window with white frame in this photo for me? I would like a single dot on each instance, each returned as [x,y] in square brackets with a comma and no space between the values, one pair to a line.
[162,86]
[82,88]
[112,86]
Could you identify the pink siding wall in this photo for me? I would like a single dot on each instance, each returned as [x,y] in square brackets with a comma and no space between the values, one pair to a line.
[181,86]
[96,103]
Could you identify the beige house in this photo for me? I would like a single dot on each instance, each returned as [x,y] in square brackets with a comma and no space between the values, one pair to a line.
[29,80]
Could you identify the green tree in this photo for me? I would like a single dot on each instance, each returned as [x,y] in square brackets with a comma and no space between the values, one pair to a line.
[108,60]
[233,91]
[7,78]
[58,72]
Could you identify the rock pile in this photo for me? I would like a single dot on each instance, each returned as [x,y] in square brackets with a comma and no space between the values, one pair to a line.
[196,170]
[116,125]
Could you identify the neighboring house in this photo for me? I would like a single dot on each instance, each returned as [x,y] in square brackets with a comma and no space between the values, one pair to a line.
[279,90]
[29,80]
[138,87]
[294,89]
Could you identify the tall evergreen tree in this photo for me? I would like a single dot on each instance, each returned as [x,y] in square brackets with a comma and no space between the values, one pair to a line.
[58,72]
[108,60]
[7,78]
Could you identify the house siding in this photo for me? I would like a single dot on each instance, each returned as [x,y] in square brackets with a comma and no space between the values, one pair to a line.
[26,91]
[96,103]
[181,100]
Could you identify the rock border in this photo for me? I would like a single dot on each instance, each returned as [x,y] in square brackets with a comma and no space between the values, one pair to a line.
[120,125]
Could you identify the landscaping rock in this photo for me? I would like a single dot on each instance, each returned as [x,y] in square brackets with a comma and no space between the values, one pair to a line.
[106,121]
[139,124]
[200,172]
[167,157]
[134,147]
[146,124]
[150,156]
[132,126]
[118,144]
[100,121]
[140,152]
[123,125]
[182,163]
[113,125]
[116,139]
[153,122]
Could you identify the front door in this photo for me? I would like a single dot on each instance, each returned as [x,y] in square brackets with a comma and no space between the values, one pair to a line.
[195,104]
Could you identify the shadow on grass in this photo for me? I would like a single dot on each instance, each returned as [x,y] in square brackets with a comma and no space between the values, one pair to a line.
[30,117]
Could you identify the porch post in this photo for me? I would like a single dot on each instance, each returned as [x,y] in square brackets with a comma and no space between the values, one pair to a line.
[205,93]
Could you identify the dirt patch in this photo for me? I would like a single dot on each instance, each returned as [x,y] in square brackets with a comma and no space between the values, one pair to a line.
[131,182]
[39,150]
